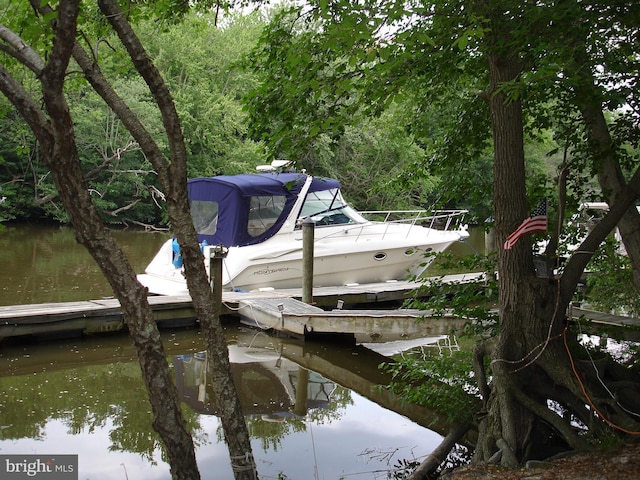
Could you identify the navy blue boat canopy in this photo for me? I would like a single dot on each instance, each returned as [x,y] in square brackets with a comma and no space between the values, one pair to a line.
[246,209]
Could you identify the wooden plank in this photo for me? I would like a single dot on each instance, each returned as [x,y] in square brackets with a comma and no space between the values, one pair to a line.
[55,313]
[47,309]
[161,301]
[605,318]
[600,323]
[381,322]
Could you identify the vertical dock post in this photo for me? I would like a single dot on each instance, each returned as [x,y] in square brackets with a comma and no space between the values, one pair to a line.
[308,234]
[489,240]
[216,255]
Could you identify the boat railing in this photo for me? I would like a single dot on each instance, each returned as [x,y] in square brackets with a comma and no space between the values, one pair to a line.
[438,219]
[435,219]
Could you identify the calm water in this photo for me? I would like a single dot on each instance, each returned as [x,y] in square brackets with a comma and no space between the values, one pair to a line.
[45,264]
[86,398]
[313,409]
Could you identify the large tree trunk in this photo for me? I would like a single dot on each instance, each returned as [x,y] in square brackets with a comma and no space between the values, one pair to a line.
[530,328]
[507,422]
[510,428]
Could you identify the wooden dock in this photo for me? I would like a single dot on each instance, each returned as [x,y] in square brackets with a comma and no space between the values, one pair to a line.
[275,309]
[96,316]
[626,328]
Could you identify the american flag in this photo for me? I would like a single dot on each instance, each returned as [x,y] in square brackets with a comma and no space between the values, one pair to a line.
[536,222]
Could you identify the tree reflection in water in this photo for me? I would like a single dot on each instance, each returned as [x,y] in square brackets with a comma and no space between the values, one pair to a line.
[93,389]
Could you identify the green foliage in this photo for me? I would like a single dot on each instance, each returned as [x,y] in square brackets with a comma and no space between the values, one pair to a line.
[429,60]
[347,89]
[122,182]
[22,172]
[427,72]
[366,149]
[610,283]
[331,53]
[444,381]
[441,382]
[402,469]
[200,63]
[18,202]
[450,120]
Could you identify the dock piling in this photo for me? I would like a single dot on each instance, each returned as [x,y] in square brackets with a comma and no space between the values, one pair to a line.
[216,255]
[308,237]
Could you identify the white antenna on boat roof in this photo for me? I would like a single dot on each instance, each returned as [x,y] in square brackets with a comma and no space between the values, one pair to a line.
[276,164]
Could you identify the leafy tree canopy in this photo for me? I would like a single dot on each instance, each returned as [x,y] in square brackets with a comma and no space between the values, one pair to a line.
[198,58]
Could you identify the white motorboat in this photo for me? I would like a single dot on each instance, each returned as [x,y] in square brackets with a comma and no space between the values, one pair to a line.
[257,219]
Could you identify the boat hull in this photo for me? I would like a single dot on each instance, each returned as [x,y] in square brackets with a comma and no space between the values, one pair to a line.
[335,269]
[341,257]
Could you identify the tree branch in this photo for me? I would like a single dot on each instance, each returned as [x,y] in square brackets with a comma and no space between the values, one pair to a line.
[578,261]
[27,109]
[153,79]
[440,453]
[18,49]
[100,84]
[559,424]
[114,213]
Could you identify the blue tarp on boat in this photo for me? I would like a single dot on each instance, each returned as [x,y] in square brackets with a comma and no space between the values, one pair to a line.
[246,209]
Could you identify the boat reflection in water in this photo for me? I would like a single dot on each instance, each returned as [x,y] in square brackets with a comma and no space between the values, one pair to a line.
[270,387]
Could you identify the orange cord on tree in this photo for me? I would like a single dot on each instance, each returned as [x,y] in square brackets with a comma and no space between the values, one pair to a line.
[586,395]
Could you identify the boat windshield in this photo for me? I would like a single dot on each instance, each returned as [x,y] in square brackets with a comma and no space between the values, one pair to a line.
[327,207]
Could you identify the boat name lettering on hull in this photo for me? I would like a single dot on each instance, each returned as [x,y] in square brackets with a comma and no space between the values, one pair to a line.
[269,271]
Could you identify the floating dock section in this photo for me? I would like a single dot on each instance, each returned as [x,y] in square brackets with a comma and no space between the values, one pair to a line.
[291,316]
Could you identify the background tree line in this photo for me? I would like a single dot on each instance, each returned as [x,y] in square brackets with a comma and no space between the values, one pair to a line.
[382,161]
